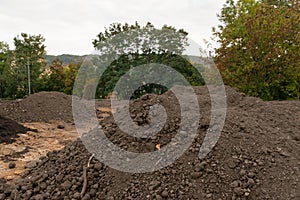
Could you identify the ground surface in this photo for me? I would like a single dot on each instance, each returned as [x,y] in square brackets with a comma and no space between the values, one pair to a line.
[256,157]
[31,145]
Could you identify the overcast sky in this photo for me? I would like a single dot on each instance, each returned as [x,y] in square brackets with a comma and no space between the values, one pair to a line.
[69,26]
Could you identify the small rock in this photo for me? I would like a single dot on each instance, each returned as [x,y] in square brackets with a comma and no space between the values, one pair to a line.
[235,184]
[165,194]
[247,194]
[154,185]
[86,197]
[60,126]
[250,182]
[77,195]
[209,195]
[2,196]
[261,163]
[285,154]
[158,197]
[202,165]
[11,165]
[195,175]
[233,164]
[31,164]
[243,172]
[38,197]
[238,191]
[66,185]
[251,174]
[95,186]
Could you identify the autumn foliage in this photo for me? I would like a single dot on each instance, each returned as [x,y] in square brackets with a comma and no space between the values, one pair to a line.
[260,51]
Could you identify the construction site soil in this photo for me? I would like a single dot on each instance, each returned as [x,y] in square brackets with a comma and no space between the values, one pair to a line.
[256,157]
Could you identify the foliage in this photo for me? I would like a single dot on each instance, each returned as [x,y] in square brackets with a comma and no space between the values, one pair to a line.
[133,45]
[126,62]
[58,77]
[260,52]
[29,51]
[5,54]
[140,40]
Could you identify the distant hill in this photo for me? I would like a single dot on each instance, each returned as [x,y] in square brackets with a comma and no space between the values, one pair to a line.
[65,58]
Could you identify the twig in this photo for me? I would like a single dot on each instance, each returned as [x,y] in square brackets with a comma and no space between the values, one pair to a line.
[84,176]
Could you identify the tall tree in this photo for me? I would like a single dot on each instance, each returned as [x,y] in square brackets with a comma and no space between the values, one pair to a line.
[260,51]
[134,45]
[5,58]
[142,39]
[29,57]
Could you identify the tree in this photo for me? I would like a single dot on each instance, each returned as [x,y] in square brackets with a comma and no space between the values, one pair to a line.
[59,77]
[134,45]
[260,52]
[141,40]
[28,54]
[5,56]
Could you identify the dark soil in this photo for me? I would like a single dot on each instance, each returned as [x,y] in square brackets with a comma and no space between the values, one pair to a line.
[257,157]
[39,107]
[10,129]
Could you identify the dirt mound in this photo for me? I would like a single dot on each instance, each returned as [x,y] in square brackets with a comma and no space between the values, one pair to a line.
[40,107]
[10,129]
[256,157]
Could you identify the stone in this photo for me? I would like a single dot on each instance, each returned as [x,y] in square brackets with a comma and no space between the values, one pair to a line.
[195,175]
[11,165]
[165,194]
[238,191]
[60,126]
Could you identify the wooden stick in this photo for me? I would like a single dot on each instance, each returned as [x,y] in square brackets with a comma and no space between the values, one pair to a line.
[84,176]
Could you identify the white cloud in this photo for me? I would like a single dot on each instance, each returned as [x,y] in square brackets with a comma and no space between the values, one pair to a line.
[69,26]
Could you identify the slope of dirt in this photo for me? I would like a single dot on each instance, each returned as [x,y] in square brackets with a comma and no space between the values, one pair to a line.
[39,107]
[9,130]
[257,157]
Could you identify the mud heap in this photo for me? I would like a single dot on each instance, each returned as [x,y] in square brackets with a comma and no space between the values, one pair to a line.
[39,107]
[10,129]
[256,157]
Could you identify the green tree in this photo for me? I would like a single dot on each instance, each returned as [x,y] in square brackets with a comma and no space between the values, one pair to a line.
[59,77]
[28,54]
[260,52]
[141,40]
[70,75]
[53,77]
[137,45]
[5,56]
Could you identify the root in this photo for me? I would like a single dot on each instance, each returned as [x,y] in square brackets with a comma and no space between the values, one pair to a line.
[85,168]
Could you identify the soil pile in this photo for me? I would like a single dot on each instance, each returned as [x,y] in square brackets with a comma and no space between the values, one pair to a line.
[256,157]
[39,107]
[10,129]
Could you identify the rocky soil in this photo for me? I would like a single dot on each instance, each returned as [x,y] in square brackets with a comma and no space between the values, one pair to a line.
[256,157]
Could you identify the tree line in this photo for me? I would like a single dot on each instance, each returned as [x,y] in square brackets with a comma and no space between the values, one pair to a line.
[27,61]
[259,54]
